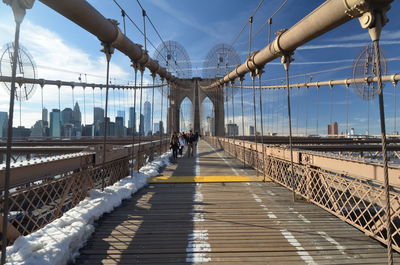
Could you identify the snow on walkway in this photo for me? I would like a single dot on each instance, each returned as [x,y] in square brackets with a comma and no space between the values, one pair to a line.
[60,241]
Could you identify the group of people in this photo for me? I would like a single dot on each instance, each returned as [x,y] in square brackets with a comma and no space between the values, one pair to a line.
[179,141]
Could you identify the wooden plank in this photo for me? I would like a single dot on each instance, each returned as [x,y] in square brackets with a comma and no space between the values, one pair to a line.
[225,223]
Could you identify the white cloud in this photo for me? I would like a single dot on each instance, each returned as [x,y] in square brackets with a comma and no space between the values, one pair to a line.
[56,59]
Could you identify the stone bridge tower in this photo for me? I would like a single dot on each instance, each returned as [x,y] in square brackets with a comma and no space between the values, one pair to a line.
[191,88]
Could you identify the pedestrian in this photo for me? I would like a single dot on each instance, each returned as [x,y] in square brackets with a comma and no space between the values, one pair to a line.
[174,144]
[190,138]
[182,143]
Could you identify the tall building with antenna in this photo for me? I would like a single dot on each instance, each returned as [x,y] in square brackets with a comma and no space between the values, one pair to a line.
[147,118]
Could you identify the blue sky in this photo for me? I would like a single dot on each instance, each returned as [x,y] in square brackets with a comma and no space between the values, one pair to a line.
[62,50]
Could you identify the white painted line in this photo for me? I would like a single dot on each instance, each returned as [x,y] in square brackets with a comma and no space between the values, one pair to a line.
[304,255]
[226,162]
[302,217]
[270,215]
[333,241]
[198,247]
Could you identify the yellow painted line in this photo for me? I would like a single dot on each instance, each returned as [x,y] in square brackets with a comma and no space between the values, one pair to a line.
[197,179]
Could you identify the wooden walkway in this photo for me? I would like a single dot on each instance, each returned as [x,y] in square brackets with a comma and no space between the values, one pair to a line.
[224,223]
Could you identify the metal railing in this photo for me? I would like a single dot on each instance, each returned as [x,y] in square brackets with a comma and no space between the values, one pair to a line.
[355,200]
[41,192]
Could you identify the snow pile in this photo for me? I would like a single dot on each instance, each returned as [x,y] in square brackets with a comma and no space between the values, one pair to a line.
[59,241]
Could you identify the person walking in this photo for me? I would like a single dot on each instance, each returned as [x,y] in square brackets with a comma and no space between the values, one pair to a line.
[174,144]
[182,143]
[190,142]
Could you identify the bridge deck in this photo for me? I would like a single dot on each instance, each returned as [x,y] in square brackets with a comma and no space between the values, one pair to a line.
[224,223]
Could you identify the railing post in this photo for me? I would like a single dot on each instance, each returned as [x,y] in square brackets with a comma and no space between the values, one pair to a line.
[19,10]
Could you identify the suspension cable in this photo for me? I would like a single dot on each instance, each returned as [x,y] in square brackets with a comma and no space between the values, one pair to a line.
[41,99]
[59,108]
[306,114]
[108,50]
[260,71]
[298,111]
[141,121]
[395,108]
[241,78]
[269,21]
[233,119]
[286,59]
[84,104]
[133,122]
[317,109]
[245,25]
[253,77]
[161,123]
[347,109]
[389,228]
[153,75]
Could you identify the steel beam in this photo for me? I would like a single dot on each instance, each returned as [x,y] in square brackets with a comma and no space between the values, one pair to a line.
[326,17]
[394,78]
[59,83]
[87,17]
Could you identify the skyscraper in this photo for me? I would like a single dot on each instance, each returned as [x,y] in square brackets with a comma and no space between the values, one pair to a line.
[98,118]
[3,123]
[66,116]
[119,126]
[55,122]
[121,113]
[77,116]
[45,115]
[156,127]
[141,125]
[161,127]
[147,118]
[132,119]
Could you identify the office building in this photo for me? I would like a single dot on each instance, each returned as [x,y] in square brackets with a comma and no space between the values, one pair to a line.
[333,128]
[55,123]
[3,123]
[232,129]
[132,119]
[147,118]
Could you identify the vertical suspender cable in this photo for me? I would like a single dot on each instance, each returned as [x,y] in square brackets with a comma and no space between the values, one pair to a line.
[368,117]
[253,77]
[123,20]
[241,78]
[298,111]
[330,103]
[108,50]
[153,75]
[59,108]
[375,34]
[84,105]
[73,97]
[41,99]
[6,192]
[133,122]
[395,108]
[306,113]
[286,59]
[317,109]
[262,124]
[347,109]
[161,123]
[233,119]
[141,122]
